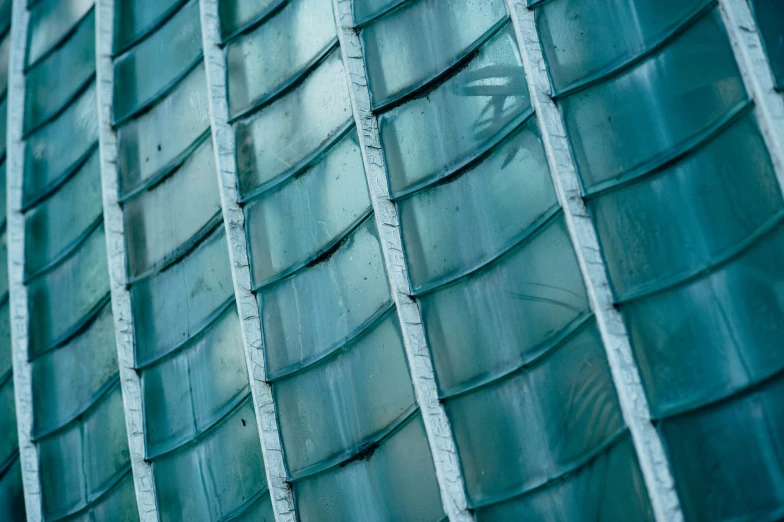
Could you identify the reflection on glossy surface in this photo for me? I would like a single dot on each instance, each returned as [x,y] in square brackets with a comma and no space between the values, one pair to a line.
[431,136]
[546,418]
[420,40]
[452,228]
[609,488]
[523,301]
[702,341]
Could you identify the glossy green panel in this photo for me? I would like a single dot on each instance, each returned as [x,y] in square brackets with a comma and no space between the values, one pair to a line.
[364,10]
[236,14]
[52,153]
[397,482]
[319,307]
[259,511]
[50,22]
[3,199]
[59,222]
[5,52]
[703,340]
[727,459]
[415,43]
[678,221]
[8,442]
[430,137]
[66,381]
[576,41]
[3,125]
[295,126]
[280,50]
[161,221]
[85,460]
[535,424]
[143,74]
[770,21]
[119,505]
[81,281]
[12,507]
[5,337]
[608,487]
[54,82]
[519,305]
[172,306]
[451,228]
[3,261]
[135,18]
[216,476]
[291,225]
[185,394]
[333,408]
[641,117]
[156,141]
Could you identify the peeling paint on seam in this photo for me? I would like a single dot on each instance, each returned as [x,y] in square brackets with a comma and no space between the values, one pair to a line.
[234,220]
[437,427]
[626,376]
[130,381]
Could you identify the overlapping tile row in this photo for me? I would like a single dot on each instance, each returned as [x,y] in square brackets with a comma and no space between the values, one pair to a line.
[352,434]
[519,362]
[199,424]
[682,191]
[78,425]
[11,495]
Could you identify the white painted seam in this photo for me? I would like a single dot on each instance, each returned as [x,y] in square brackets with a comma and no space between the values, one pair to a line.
[758,77]
[634,405]
[439,431]
[23,381]
[114,225]
[234,221]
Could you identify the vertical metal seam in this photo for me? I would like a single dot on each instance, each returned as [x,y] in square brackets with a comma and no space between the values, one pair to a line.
[23,380]
[634,404]
[114,226]
[234,221]
[757,77]
[440,438]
